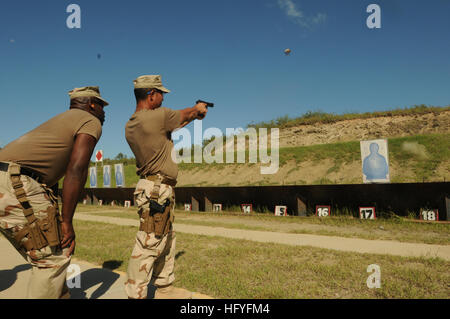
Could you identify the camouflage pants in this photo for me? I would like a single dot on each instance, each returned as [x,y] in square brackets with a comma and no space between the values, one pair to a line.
[49,264]
[152,259]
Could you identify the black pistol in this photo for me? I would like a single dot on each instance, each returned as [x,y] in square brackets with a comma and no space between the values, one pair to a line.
[208,104]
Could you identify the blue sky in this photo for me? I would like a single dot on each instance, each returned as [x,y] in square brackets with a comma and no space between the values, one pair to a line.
[229,52]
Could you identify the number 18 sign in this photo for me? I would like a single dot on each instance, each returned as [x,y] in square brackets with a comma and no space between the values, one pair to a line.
[429,214]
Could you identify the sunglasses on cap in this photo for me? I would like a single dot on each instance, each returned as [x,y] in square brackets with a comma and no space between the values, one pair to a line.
[156,90]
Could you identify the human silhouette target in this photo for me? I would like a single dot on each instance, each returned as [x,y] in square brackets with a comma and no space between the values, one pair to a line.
[375,165]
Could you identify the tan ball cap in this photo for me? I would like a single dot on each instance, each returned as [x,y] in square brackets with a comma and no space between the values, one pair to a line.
[87,91]
[150,82]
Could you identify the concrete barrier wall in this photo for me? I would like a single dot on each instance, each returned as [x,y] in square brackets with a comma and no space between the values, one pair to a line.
[399,198]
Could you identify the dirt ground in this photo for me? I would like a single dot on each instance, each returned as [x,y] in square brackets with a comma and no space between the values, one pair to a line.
[364,129]
[284,233]
[382,231]
[292,173]
[313,172]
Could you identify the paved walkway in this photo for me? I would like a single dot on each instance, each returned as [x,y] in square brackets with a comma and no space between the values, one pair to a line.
[97,282]
[94,282]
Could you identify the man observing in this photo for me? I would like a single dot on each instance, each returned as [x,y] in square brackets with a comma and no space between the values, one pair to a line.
[30,168]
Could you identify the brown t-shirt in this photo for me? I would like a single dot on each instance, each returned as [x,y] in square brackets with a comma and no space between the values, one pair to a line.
[148,132]
[47,148]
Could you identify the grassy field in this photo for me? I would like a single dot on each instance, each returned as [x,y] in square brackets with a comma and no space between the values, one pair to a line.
[398,229]
[228,268]
[434,151]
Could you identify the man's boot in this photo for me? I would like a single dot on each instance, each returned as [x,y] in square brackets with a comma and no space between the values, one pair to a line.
[171,292]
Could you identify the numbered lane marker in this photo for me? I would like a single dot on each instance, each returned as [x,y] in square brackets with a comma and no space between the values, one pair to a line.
[429,214]
[323,210]
[246,208]
[367,213]
[280,210]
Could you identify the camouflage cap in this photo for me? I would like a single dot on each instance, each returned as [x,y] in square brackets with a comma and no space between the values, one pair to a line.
[150,82]
[87,91]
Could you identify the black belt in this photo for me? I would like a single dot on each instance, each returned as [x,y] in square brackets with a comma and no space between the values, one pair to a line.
[23,171]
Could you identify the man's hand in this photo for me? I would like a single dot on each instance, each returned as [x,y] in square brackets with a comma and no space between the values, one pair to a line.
[198,111]
[201,110]
[68,237]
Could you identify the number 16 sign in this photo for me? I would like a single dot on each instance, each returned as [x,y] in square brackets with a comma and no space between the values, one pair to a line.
[323,211]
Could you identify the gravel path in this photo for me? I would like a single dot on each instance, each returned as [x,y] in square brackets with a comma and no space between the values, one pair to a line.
[384,247]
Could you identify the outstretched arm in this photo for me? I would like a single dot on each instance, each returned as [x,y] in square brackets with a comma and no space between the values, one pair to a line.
[74,181]
[191,113]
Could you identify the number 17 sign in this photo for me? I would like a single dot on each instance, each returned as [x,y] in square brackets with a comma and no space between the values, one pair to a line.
[367,213]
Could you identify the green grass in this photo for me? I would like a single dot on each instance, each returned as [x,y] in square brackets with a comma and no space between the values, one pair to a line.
[229,268]
[423,169]
[398,229]
[436,148]
[101,242]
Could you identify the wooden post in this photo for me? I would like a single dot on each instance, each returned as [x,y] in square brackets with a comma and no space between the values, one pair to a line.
[208,205]
[447,206]
[195,204]
[301,207]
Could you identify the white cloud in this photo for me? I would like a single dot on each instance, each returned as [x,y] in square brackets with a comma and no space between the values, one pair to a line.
[319,18]
[298,16]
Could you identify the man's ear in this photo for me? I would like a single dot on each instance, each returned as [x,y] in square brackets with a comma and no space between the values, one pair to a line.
[91,103]
[150,96]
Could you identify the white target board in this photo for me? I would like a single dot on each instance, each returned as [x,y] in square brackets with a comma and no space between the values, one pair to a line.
[280,210]
[375,161]
[217,207]
[188,207]
[246,208]
[323,210]
[92,177]
[127,203]
[367,213]
[100,202]
[84,201]
[429,214]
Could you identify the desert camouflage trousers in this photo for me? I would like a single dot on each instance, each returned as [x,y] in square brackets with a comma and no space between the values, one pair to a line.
[152,260]
[49,264]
